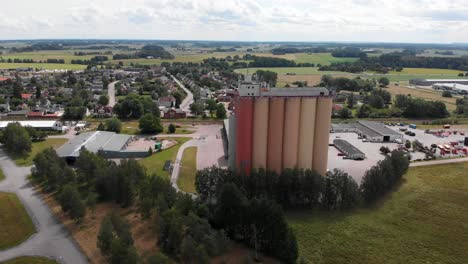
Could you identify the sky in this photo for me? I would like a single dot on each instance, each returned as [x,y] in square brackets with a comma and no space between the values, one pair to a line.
[421,21]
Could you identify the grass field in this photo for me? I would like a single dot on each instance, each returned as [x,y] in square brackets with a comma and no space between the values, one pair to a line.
[2,175]
[15,224]
[186,181]
[424,221]
[30,260]
[424,94]
[46,66]
[154,164]
[131,128]
[38,147]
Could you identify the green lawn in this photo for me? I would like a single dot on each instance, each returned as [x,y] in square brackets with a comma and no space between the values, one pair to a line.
[154,164]
[131,128]
[47,66]
[38,147]
[2,175]
[424,221]
[186,181]
[15,224]
[30,260]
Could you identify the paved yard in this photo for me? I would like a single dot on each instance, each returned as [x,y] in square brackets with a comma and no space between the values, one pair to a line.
[357,168]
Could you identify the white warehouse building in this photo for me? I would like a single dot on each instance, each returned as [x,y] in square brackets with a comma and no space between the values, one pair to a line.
[39,125]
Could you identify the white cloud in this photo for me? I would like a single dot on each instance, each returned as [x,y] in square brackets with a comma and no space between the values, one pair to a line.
[283,20]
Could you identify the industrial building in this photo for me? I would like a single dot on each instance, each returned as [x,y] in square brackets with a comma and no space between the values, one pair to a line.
[109,144]
[453,87]
[39,125]
[429,82]
[373,131]
[278,128]
[348,149]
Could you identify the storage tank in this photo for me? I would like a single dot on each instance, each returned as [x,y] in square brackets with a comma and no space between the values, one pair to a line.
[322,133]
[260,133]
[307,132]
[291,132]
[275,134]
[244,118]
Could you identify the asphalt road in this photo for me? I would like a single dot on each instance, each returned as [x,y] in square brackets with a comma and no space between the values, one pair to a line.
[188,100]
[111,93]
[52,239]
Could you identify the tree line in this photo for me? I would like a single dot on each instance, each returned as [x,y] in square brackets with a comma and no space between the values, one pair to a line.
[397,61]
[16,60]
[17,139]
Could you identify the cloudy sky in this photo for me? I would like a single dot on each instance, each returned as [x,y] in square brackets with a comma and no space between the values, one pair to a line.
[441,21]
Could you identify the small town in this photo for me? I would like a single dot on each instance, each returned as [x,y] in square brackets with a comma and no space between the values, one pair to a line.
[158,132]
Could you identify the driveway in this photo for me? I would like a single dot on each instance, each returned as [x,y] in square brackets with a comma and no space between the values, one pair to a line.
[111,93]
[188,100]
[210,150]
[52,239]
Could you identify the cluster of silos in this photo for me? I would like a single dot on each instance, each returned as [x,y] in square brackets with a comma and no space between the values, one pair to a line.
[285,132]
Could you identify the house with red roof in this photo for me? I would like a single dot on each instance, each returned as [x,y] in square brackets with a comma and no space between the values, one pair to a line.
[26,96]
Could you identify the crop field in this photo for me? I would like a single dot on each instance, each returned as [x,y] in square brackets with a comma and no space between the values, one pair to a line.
[427,71]
[67,55]
[15,224]
[424,94]
[45,66]
[424,221]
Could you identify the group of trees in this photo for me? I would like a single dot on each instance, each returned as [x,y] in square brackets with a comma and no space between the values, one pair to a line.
[217,109]
[111,124]
[98,59]
[342,83]
[396,61]
[74,112]
[115,240]
[383,177]
[150,124]
[462,106]
[417,108]
[17,140]
[288,50]
[16,60]
[153,51]
[348,52]
[135,106]
[269,77]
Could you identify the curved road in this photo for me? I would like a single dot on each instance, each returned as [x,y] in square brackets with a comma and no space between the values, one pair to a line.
[51,238]
[111,93]
[188,100]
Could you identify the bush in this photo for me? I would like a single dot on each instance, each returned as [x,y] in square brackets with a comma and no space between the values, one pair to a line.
[171,129]
[446,94]
[114,125]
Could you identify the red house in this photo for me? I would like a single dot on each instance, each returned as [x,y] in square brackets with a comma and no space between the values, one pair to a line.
[174,113]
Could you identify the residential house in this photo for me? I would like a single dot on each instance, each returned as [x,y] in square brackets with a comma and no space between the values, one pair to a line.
[174,113]
[167,101]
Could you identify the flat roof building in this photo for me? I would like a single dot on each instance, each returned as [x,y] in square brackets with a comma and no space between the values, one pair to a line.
[39,125]
[373,131]
[429,82]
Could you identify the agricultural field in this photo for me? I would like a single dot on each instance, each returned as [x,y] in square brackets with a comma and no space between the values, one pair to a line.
[15,224]
[30,260]
[45,66]
[427,94]
[186,181]
[424,221]
[38,147]
[66,55]
[154,164]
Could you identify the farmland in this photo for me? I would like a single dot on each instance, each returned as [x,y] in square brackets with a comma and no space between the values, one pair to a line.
[46,66]
[15,224]
[424,94]
[415,224]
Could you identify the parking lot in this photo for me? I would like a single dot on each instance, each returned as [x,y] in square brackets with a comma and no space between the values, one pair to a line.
[357,168]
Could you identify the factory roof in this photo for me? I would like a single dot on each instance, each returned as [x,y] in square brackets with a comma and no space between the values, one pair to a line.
[455,86]
[299,91]
[34,124]
[378,127]
[347,148]
[93,142]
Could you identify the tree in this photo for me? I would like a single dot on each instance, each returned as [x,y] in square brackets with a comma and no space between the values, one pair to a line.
[171,129]
[105,236]
[103,100]
[197,109]
[114,125]
[211,106]
[179,96]
[363,111]
[345,113]
[384,150]
[350,101]
[71,203]
[384,82]
[101,127]
[407,144]
[446,94]
[16,139]
[220,111]
[150,124]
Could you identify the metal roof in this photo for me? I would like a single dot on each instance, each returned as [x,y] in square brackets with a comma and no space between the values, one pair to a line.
[379,128]
[347,148]
[93,142]
[51,123]
[299,91]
